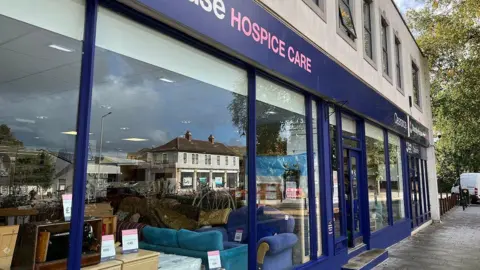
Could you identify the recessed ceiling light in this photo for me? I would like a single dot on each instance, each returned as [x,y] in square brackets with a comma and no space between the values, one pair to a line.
[166,80]
[36,138]
[41,117]
[186,122]
[107,141]
[124,128]
[72,132]
[270,112]
[25,120]
[60,48]
[135,139]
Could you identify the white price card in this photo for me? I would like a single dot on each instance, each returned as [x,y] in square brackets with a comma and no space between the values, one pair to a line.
[238,236]
[214,260]
[129,241]
[108,248]
[67,206]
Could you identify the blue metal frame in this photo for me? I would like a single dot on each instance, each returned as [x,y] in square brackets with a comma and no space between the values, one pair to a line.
[389,179]
[364,184]
[428,191]
[406,180]
[251,169]
[81,140]
[340,243]
[326,188]
[311,179]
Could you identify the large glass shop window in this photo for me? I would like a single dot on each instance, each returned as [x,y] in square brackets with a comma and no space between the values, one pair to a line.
[282,190]
[396,177]
[377,180]
[169,126]
[40,56]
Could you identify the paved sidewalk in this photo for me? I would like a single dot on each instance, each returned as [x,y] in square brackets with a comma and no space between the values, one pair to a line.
[452,244]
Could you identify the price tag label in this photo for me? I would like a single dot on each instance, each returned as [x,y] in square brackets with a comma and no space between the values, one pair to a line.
[108,248]
[238,236]
[67,206]
[129,241]
[214,260]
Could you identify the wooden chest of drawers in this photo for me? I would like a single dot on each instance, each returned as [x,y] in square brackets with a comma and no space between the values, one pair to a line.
[144,259]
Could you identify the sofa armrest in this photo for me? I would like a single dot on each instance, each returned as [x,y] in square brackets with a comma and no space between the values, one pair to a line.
[218,229]
[274,244]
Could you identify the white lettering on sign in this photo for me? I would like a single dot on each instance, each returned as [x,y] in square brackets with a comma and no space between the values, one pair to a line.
[399,121]
[217,6]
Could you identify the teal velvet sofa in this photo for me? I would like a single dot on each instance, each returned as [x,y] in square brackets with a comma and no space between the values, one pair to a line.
[195,244]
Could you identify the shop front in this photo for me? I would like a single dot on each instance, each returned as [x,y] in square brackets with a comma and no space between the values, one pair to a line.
[227,132]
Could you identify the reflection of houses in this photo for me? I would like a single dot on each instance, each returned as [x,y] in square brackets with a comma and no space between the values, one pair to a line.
[183,164]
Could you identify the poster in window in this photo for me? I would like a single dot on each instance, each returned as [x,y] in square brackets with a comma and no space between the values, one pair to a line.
[187,182]
[218,181]
[203,180]
[291,190]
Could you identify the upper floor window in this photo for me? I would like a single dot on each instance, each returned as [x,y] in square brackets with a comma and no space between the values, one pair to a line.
[319,3]
[226,160]
[209,159]
[416,85]
[218,160]
[234,161]
[384,36]
[165,158]
[398,62]
[206,159]
[185,158]
[367,28]
[346,18]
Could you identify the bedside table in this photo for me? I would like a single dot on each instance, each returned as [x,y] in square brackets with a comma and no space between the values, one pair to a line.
[144,259]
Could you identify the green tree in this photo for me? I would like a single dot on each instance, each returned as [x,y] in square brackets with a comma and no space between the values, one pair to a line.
[7,138]
[448,31]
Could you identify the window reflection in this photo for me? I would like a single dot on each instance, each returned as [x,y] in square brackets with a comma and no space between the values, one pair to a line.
[281,166]
[396,176]
[377,181]
[177,122]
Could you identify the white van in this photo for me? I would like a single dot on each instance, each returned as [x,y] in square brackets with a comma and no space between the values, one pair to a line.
[471,181]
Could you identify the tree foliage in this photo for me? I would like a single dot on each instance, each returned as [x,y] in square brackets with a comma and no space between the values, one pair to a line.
[448,31]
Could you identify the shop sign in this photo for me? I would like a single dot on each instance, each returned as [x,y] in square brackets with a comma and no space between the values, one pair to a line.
[247,29]
[417,132]
[413,149]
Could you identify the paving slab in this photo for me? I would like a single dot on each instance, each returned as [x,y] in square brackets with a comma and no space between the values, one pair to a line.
[452,244]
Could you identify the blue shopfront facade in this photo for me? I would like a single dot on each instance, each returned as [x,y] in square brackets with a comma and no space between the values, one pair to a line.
[245,34]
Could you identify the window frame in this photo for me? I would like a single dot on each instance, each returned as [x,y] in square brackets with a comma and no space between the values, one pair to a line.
[371,13]
[164,158]
[185,158]
[343,30]
[385,48]
[316,6]
[416,67]
[218,160]
[226,160]
[399,79]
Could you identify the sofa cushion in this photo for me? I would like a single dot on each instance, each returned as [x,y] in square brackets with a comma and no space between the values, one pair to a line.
[175,220]
[126,225]
[203,241]
[160,236]
[214,217]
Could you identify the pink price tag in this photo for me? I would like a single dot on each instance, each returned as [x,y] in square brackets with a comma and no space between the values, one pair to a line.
[214,259]
[107,237]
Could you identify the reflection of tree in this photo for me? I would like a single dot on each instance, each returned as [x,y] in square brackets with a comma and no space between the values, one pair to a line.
[375,162]
[34,170]
[7,138]
[269,126]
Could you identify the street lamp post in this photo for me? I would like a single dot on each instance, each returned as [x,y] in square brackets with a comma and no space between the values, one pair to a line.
[100,156]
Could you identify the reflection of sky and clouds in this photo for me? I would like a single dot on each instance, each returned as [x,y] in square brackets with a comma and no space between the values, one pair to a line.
[39,107]
[156,110]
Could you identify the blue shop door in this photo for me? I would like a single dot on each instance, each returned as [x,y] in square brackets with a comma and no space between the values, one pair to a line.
[352,197]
